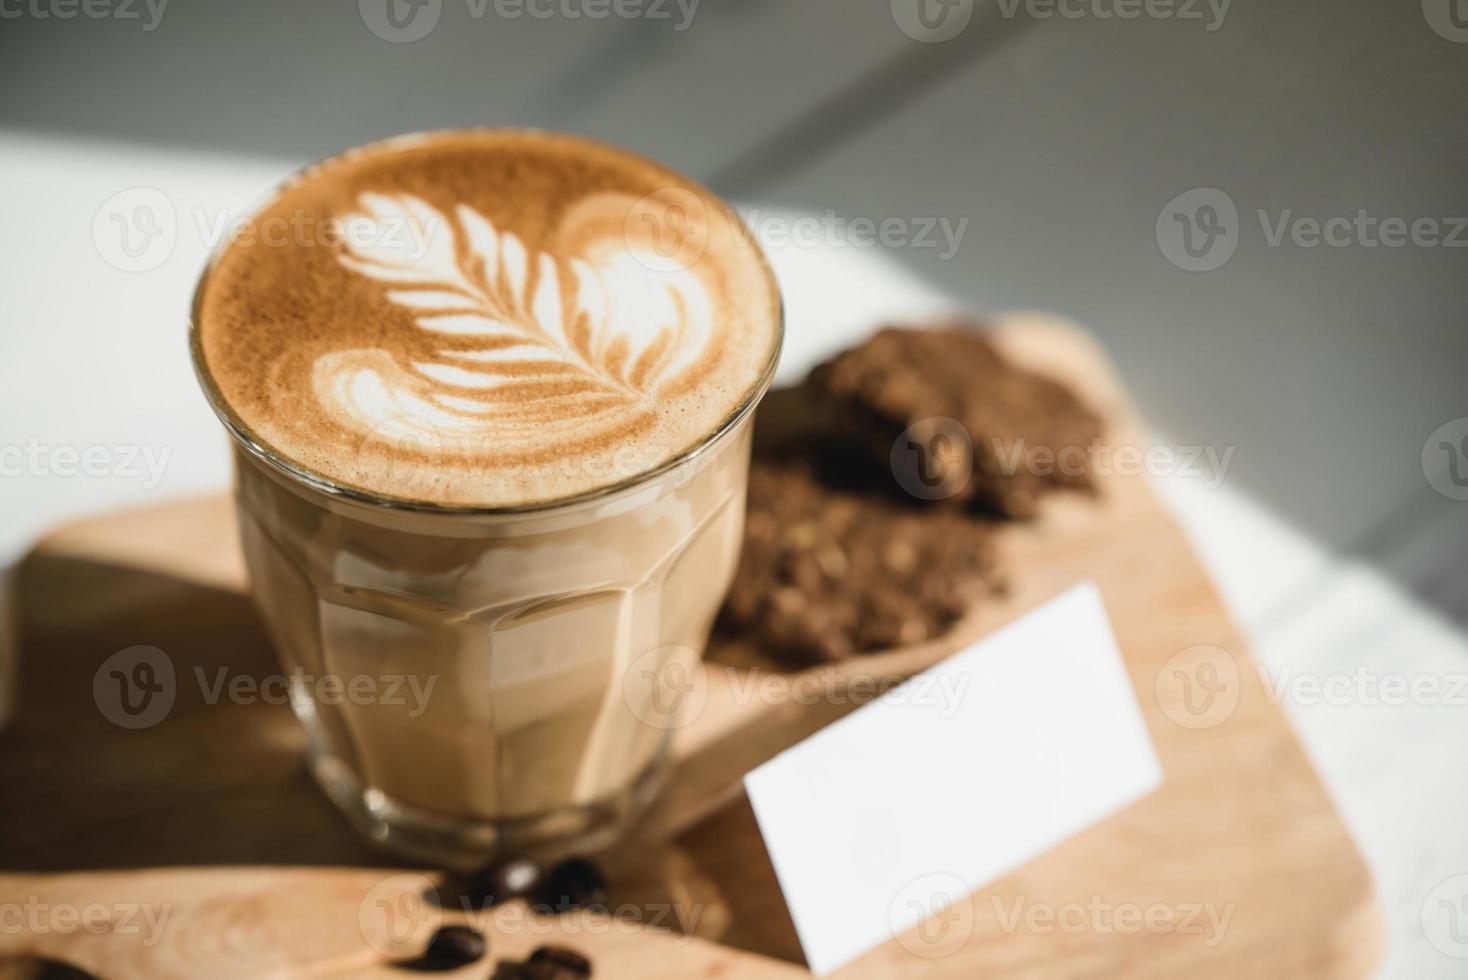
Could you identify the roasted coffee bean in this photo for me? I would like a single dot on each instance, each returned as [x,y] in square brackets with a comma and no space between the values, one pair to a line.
[874,574]
[511,970]
[557,963]
[454,946]
[974,424]
[504,881]
[37,968]
[575,883]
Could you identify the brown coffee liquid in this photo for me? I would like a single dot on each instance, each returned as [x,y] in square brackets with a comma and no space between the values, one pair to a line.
[486,318]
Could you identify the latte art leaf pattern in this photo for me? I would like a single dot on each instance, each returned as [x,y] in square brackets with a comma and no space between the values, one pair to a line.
[512,344]
[488,319]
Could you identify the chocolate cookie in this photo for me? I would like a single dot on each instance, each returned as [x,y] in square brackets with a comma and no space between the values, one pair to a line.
[826,572]
[955,420]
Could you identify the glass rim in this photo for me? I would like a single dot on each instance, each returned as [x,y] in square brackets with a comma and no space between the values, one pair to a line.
[244,438]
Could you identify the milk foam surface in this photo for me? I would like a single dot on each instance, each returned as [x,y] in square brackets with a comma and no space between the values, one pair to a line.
[486,318]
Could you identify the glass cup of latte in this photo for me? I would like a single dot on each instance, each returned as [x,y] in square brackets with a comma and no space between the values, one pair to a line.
[490,393]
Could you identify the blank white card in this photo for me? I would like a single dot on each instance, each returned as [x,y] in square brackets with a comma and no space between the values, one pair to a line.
[962,774]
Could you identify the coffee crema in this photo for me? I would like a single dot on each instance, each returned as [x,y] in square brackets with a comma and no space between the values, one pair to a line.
[486,318]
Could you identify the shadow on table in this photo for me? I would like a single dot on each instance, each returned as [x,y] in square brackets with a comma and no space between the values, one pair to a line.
[208,784]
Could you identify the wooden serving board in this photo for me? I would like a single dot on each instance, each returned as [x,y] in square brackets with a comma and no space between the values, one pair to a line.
[210,815]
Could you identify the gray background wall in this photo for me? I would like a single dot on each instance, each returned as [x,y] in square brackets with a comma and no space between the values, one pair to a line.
[1061,140]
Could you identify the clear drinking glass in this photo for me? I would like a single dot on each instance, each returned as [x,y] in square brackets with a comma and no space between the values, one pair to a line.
[480,680]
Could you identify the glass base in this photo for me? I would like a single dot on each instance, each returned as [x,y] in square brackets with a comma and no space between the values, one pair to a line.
[463,843]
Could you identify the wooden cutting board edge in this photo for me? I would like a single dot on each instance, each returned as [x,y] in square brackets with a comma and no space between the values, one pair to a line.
[1351,949]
